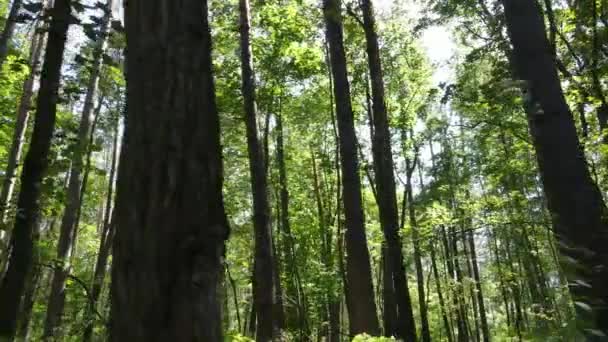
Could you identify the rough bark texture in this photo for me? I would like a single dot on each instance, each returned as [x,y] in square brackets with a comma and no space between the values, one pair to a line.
[385,182]
[171,224]
[263,286]
[361,304]
[69,222]
[9,30]
[35,165]
[579,212]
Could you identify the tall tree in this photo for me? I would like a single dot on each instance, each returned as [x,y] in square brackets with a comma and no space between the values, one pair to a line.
[385,184]
[35,165]
[171,224]
[579,211]
[263,284]
[69,222]
[361,304]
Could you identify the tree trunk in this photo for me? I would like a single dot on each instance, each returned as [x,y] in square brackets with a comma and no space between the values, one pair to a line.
[263,289]
[385,183]
[69,223]
[361,303]
[105,245]
[480,299]
[35,165]
[9,30]
[573,198]
[425,331]
[21,121]
[444,314]
[16,149]
[171,224]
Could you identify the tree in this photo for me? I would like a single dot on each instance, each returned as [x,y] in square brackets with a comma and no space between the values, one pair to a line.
[69,223]
[385,183]
[28,207]
[577,207]
[170,233]
[264,266]
[361,304]
[9,29]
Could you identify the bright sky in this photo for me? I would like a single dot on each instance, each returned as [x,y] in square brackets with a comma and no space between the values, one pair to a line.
[437,40]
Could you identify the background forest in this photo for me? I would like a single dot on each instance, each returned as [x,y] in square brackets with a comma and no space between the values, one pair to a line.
[428,170]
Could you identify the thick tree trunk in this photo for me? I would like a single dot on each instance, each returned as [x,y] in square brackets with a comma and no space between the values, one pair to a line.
[35,165]
[579,211]
[170,220]
[385,183]
[361,303]
[9,30]
[105,245]
[263,284]
[69,223]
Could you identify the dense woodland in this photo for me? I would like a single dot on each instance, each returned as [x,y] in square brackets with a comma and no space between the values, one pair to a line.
[303,170]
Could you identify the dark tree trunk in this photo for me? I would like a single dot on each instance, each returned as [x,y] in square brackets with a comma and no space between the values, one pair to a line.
[360,300]
[34,168]
[389,305]
[579,211]
[9,30]
[170,220]
[29,296]
[385,184]
[105,245]
[263,284]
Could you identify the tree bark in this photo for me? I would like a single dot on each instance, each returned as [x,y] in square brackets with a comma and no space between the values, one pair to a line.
[69,223]
[579,211]
[361,303]
[171,224]
[385,183]
[263,284]
[35,165]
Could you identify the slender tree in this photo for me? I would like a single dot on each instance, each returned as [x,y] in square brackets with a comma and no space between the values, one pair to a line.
[105,243]
[360,300]
[263,284]
[69,222]
[170,220]
[385,184]
[579,211]
[34,168]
